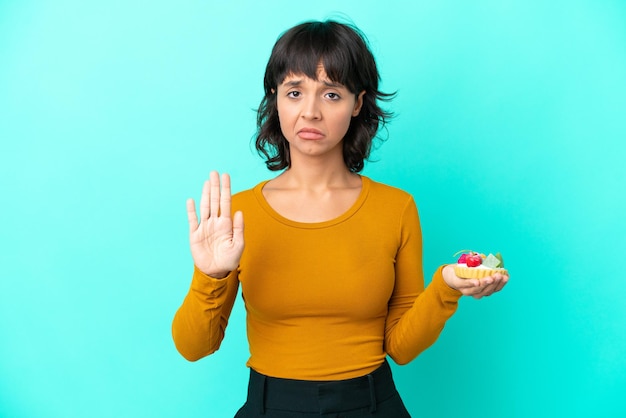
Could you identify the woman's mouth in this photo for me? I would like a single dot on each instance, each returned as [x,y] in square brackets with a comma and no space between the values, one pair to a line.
[310,133]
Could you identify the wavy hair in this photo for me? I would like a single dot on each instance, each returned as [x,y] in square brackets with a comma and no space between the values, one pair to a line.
[343,52]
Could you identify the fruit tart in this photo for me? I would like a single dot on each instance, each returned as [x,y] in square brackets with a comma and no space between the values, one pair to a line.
[473,265]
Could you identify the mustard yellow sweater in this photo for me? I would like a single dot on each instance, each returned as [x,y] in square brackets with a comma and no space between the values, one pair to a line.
[324,301]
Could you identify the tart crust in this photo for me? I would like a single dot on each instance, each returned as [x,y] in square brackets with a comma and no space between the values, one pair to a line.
[474,273]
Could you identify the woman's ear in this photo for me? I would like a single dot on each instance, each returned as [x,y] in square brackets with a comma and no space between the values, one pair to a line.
[359,104]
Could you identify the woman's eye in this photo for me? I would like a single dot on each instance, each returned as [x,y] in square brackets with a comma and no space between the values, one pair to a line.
[293,94]
[333,96]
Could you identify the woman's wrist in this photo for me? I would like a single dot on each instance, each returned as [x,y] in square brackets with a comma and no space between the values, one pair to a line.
[218,275]
[213,274]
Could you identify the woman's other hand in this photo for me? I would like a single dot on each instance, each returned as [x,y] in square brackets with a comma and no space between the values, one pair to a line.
[476,288]
[216,241]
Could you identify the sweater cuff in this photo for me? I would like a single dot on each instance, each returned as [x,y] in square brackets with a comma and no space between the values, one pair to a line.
[447,293]
[202,281]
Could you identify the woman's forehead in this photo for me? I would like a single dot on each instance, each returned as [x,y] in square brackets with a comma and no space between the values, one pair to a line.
[320,76]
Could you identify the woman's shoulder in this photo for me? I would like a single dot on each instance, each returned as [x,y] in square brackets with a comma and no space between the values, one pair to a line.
[386,191]
[248,196]
[391,203]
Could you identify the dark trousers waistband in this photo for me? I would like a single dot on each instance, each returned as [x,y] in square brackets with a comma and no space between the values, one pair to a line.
[321,396]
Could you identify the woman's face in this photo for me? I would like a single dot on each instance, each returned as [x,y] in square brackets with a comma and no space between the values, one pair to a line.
[315,115]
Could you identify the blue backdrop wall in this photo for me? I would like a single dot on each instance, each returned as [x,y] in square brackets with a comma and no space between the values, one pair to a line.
[510,134]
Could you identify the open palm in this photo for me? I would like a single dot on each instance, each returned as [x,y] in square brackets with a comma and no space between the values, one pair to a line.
[216,240]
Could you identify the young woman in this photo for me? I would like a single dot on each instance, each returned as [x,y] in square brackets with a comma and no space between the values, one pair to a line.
[331,272]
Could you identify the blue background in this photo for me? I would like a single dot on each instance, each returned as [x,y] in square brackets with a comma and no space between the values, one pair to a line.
[510,133]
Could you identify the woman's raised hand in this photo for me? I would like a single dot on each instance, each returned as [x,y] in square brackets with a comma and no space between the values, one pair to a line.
[217,240]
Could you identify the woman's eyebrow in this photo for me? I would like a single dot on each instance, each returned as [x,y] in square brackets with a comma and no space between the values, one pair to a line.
[329,83]
[293,83]
[298,82]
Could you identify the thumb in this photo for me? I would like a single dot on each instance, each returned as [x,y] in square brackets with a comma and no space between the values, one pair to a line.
[238,226]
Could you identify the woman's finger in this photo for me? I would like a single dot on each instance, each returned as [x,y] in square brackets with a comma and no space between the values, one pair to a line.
[204,201]
[489,290]
[225,196]
[476,287]
[238,227]
[192,217]
[497,283]
[214,196]
[468,285]
[500,283]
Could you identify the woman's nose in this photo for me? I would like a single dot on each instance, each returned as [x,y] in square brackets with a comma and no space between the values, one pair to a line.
[311,108]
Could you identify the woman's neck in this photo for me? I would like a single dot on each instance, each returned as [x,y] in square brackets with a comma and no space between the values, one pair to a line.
[311,193]
[317,177]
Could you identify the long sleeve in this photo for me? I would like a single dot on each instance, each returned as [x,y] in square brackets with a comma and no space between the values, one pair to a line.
[326,300]
[200,322]
[416,315]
